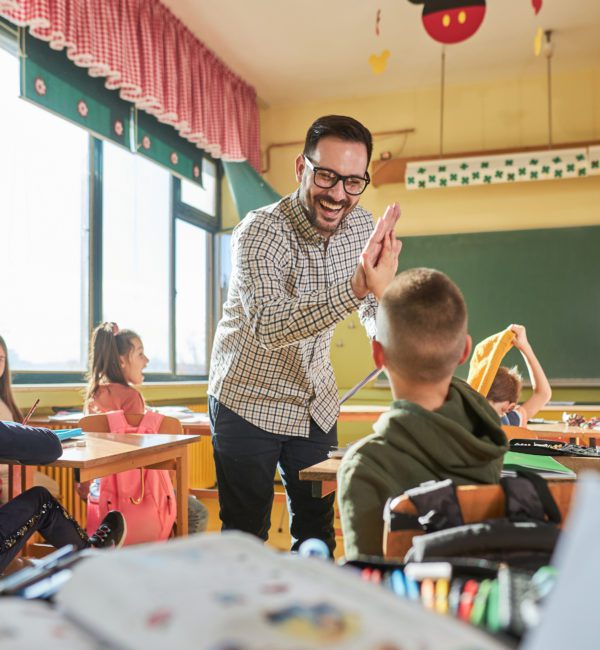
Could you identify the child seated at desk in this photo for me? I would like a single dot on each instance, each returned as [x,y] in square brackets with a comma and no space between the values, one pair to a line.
[438,427]
[10,412]
[117,363]
[36,510]
[505,390]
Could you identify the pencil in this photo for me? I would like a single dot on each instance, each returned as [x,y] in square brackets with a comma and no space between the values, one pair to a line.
[30,412]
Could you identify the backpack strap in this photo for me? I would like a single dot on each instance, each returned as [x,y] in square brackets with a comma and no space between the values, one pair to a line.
[117,422]
[150,423]
[436,504]
[529,499]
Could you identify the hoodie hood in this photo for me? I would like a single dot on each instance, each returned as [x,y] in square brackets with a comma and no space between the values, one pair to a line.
[462,439]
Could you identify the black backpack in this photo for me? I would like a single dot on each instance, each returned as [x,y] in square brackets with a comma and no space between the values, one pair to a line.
[524,538]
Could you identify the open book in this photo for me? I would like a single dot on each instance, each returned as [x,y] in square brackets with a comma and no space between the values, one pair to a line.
[220,591]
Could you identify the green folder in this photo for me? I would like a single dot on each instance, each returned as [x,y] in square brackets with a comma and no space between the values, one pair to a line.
[546,466]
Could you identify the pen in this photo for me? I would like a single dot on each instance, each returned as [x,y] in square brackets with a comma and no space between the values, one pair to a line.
[441,596]
[428,593]
[412,588]
[30,412]
[398,583]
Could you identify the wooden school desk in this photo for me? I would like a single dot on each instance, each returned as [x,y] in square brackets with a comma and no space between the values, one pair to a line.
[198,428]
[323,475]
[109,453]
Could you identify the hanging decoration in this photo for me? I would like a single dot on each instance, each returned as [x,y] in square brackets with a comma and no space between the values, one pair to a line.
[451,21]
[537,5]
[547,164]
[378,62]
[377,21]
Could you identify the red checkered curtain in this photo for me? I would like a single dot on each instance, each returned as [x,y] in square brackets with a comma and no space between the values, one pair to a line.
[156,63]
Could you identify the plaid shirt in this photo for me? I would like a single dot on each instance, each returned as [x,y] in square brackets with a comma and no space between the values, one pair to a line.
[270,360]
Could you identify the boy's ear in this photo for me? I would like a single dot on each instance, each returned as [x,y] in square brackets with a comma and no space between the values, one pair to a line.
[300,164]
[377,353]
[467,351]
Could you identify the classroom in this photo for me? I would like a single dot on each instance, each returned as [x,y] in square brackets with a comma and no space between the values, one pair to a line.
[136,136]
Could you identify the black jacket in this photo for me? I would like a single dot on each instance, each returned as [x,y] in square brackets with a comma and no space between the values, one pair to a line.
[28,445]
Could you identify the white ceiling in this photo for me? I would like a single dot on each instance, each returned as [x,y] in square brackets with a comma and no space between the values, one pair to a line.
[319,49]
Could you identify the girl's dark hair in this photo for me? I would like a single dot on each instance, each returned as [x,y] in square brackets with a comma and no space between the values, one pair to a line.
[104,366]
[337,126]
[6,394]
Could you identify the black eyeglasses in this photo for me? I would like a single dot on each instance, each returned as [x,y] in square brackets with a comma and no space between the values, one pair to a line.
[327,178]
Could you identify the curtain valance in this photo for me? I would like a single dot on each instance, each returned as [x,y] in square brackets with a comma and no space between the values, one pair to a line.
[155,62]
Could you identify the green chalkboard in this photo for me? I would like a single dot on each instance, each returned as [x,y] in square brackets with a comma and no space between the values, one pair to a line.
[547,280]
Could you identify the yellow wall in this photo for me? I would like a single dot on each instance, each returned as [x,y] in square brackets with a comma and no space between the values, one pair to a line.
[498,115]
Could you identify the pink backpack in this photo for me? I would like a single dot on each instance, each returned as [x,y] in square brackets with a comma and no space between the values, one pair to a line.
[144,496]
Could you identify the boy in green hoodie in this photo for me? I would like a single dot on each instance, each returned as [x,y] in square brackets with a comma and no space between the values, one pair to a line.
[438,427]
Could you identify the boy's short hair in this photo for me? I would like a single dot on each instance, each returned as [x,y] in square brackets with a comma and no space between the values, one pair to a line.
[506,385]
[422,325]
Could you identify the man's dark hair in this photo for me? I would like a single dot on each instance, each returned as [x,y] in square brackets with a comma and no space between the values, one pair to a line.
[337,126]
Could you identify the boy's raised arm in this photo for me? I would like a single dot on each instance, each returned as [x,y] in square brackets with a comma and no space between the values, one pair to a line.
[542,392]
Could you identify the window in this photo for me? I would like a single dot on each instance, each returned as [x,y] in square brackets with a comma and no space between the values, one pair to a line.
[43,233]
[192,290]
[136,224]
[202,197]
[89,232]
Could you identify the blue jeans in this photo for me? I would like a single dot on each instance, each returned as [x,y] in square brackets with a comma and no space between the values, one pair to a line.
[246,458]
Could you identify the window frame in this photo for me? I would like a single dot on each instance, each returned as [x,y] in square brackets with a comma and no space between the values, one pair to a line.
[178,210]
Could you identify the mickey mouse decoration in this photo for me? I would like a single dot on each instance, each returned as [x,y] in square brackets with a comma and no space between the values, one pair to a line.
[451,21]
[454,21]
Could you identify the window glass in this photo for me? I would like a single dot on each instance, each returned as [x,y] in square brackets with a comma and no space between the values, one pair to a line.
[191,245]
[43,232]
[136,198]
[202,198]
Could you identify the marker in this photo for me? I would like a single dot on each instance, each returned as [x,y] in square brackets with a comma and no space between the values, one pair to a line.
[376,576]
[428,593]
[398,583]
[442,587]
[467,597]
[480,603]
[412,588]
[365,574]
[454,595]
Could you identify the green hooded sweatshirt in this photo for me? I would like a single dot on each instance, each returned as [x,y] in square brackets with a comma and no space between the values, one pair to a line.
[462,440]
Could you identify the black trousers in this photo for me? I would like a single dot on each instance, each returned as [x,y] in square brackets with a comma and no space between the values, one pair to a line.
[246,458]
[36,510]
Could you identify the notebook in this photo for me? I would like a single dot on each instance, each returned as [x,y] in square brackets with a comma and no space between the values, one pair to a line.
[67,434]
[546,466]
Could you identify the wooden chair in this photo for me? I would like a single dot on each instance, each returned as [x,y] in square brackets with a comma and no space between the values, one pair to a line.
[477,502]
[99,423]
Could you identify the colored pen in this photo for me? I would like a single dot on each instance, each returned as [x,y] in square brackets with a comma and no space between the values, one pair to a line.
[428,593]
[365,574]
[442,587]
[412,588]
[398,583]
[454,595]
[30,412]
[376,576]
[466,599]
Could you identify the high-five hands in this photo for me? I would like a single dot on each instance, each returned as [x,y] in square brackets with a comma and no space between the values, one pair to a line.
[379,258]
